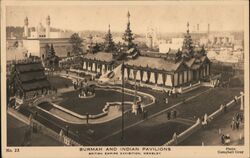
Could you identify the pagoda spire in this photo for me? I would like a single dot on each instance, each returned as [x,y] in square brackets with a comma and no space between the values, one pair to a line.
[128,15]
[187,27]
[128,35]
[188,42]
[109,44]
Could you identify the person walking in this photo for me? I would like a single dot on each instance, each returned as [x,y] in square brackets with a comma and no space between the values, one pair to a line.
[175,114]
[168,115]
[222,139]
[233,125]
[237,123]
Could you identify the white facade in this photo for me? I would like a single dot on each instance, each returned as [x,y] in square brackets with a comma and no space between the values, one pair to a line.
[32,46]
[177,41]
[175,44]
[36,47]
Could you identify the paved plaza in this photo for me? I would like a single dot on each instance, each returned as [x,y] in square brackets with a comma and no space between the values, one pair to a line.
[210,135]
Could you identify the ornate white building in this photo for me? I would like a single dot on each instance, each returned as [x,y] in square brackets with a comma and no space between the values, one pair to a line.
[42,31]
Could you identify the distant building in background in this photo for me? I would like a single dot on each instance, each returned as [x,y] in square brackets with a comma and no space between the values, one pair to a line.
[174,44]
[221,39]
[34,42]
[37,46]
[43,32]
[152,38]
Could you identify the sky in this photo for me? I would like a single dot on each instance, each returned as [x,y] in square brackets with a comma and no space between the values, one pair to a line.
[166,18]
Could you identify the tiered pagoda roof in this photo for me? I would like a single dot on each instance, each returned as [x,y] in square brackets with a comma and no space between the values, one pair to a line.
[30,76]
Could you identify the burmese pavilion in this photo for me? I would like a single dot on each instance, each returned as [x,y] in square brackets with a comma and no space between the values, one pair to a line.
[173,69]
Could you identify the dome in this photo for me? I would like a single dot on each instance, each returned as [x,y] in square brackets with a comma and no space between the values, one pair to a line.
[40,28]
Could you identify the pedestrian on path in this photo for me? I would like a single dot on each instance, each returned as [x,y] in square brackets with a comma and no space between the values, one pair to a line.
[166,100]
[233,125]
[222,139]
[175,114]
[237,123]
[168,115]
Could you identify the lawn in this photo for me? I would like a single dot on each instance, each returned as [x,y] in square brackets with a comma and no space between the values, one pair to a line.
[93,105]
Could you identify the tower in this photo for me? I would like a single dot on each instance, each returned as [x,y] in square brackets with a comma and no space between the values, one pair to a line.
[26,25]
[48,26]
[128,35]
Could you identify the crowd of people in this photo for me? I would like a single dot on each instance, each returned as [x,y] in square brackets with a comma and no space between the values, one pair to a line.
[235,125]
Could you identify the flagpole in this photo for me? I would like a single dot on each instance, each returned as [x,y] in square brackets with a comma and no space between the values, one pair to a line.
[122,135]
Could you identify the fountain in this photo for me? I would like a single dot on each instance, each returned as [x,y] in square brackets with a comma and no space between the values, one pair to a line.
[86,90]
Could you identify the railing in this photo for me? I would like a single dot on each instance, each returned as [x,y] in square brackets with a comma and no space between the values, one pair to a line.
[189,88]
[43,129]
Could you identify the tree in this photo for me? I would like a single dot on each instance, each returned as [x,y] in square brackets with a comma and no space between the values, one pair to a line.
[47,51]
[109,45]
[76,42]
[128,35]
[188,43]
[94,48]
[50,59]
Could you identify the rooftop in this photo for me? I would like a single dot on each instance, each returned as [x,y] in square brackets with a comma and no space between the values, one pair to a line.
[27,67]
[154,63]
[31,76]
[103,56]
[36,85]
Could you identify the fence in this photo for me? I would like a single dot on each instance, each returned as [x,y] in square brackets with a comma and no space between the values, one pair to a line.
[189,88]
[43,129]
[182,136]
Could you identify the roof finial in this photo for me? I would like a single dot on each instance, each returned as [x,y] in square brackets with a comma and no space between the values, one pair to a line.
[109,26]
[187,26]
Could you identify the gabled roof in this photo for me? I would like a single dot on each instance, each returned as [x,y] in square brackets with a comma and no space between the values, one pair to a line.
[29,67]
[28,76]
[36,85]
[193,64]
[190,62]
[154,63]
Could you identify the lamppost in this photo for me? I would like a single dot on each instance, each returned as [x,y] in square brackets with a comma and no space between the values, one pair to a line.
[87,118]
